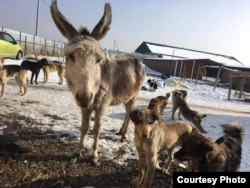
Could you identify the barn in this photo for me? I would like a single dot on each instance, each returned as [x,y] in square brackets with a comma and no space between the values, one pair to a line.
[195,64]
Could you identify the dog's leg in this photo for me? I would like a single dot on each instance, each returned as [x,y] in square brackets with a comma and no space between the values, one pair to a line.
[59,76]
[32,76]
[37,73]
[141,168]
[3,89]
[151,164]
[174,108]
[44,75]
[129,106]
[23,81]
[179,114]
[163,107]
[47,76]
[169,161]
[18,81]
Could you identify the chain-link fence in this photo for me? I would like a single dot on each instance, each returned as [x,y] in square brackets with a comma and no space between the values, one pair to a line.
[36,45]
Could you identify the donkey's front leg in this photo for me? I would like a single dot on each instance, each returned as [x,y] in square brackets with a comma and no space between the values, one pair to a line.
[99,113]
[129,106]
[84,129]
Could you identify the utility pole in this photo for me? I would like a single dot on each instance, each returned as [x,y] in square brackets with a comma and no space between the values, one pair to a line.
[37,16]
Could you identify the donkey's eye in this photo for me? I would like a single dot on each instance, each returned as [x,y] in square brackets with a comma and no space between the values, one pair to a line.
[98,60]
[71,57]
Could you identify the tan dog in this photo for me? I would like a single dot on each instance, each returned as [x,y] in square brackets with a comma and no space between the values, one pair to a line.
[159,103]
[155,104]
[206,155]
[180,102]
[54,66]
[150,136]
[181,93]
[7,71]
[164,100]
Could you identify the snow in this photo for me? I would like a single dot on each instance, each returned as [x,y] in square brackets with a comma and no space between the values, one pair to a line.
[44,101]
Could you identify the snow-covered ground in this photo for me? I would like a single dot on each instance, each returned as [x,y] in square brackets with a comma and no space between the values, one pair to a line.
[44,101]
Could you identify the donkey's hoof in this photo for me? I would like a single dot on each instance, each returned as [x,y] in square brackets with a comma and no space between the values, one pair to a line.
[82,152]
[95,161]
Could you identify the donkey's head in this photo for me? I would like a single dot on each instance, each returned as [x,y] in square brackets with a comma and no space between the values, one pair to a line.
[84,56]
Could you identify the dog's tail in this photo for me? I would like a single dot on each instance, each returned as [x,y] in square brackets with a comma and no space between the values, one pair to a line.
[235,130]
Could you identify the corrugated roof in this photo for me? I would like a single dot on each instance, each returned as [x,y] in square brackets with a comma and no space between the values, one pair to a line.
[172,52]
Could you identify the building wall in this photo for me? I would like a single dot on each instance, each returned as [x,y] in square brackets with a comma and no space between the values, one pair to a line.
[180,68]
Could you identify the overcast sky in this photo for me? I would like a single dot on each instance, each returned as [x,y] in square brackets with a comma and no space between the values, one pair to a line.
[219,26]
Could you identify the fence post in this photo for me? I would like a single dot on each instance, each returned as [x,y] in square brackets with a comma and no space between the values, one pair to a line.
[25,45]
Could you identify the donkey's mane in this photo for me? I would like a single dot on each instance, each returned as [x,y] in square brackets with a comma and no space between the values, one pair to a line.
[83,31]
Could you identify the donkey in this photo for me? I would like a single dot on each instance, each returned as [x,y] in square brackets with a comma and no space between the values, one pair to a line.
[96,78]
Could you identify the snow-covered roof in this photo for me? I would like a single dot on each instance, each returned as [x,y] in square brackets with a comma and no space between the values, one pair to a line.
[177,53]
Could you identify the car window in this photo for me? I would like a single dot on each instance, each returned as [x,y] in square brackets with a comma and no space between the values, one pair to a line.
[8,38]
[1,36]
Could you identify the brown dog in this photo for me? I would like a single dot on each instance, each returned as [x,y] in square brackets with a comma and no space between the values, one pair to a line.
[206,155]
[159,103]
[151,136]
[155,104]
[7,71]
[54,66]
[180,102]
[164,100]
[175,93]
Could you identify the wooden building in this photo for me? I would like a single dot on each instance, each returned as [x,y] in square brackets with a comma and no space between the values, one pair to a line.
[194,64]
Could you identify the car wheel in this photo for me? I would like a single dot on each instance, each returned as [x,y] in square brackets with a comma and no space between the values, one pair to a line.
[19,55]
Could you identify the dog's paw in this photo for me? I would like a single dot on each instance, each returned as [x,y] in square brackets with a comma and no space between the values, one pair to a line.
[165,171]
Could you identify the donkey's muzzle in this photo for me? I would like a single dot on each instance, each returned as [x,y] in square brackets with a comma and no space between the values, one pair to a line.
[83,100]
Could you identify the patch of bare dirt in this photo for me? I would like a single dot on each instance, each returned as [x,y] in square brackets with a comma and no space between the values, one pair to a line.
[31,158]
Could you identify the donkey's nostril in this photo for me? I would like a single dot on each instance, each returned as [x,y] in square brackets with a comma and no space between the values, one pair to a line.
[84,100]
[77,97]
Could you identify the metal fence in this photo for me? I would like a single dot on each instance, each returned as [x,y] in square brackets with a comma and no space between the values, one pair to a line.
[36,45]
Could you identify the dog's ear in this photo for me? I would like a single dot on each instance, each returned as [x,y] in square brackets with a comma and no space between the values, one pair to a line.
[156,116]
[134,116]
[176,94]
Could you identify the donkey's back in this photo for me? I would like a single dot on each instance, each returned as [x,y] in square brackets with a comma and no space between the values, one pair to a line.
[126,78]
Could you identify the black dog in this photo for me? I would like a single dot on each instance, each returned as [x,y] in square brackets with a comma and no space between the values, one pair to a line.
[206,155]
[34,67]
[152,84]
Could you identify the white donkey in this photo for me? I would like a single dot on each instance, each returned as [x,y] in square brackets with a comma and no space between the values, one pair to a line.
[96,78]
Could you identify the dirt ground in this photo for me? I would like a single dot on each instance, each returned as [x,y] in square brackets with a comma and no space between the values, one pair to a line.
[32,158]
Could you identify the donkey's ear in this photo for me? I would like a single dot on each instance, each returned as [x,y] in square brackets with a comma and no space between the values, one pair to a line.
[103,25]
[62,23]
